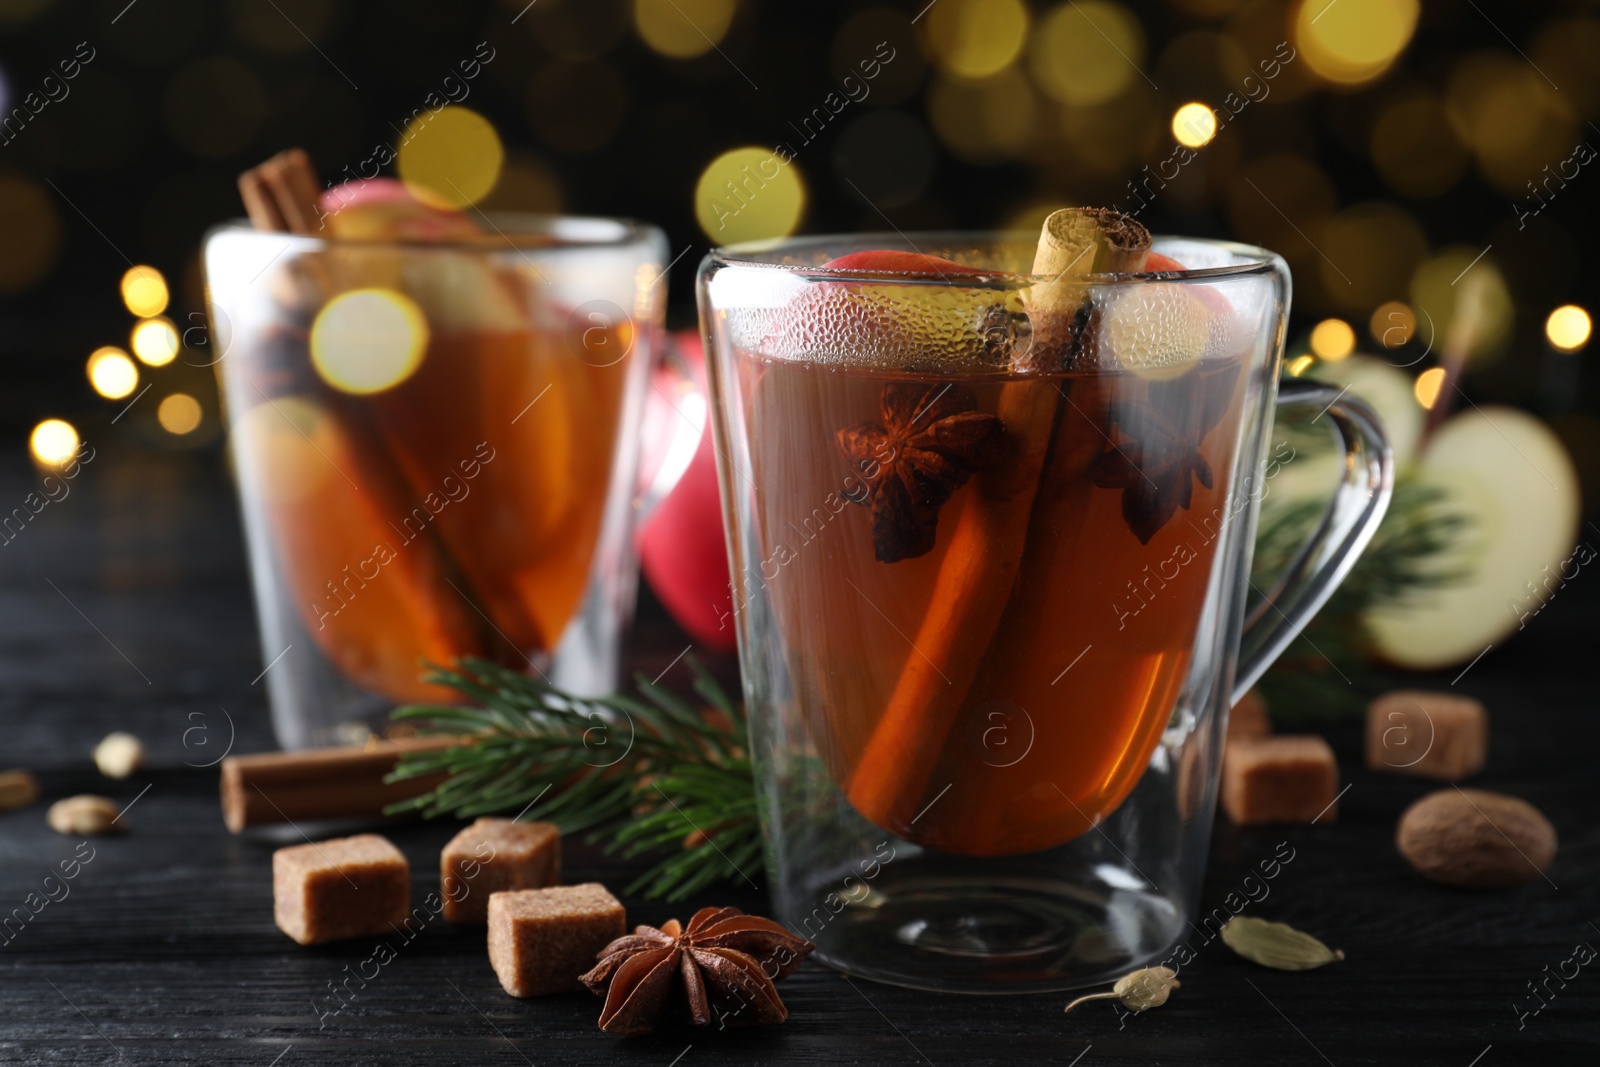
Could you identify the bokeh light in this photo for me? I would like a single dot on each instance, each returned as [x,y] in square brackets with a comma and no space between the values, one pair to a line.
[749,194]
[682,29]
[1568,327]
[179,414]
[1368,252]
[1352,41]
[1194,125]
[144,291]
[1300,364]
[32,231]
[1439,288]
[1393,324]
[368,340]
[450,158]
[984,121]
[1087,53]
[1519,128]
[53,442]
[154,341]
[1333,340]
[1416,149]
[1427,386]
[112,373]
[976,38]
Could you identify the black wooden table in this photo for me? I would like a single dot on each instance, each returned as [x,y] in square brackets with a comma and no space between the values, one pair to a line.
[126,606]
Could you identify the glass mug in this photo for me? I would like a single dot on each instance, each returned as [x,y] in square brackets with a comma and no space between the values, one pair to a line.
[990,575]
[435,444]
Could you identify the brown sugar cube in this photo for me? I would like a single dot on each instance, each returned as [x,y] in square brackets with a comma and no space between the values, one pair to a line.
[348,887]
[1289,778]
[493,855]
[1430,735]
[541,940]
[1248,719]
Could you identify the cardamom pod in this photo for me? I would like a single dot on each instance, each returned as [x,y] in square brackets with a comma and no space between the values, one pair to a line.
[83,816]
[1276,945]
[1141,990]
[18,789]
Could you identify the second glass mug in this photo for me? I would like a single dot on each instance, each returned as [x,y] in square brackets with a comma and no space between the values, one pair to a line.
[435,443]
[990,579]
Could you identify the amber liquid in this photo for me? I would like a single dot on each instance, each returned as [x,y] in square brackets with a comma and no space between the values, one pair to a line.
[1045,715]
[441,517]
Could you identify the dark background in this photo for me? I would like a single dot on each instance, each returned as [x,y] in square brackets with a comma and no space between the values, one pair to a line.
[140,159]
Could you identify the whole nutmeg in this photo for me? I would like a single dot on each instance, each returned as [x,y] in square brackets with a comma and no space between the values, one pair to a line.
[1475,839]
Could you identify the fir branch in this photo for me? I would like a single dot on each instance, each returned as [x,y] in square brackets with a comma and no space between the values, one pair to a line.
[1400,563]
[649,774]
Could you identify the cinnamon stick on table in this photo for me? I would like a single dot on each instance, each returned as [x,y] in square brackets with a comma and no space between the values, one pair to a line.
[981,566]
[321,783]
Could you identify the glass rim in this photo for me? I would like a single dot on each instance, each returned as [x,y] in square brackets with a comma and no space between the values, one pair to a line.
[1259,260]
[546,232]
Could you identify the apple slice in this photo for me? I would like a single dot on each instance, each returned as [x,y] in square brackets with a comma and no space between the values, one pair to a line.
[1509,475]
[1312,473]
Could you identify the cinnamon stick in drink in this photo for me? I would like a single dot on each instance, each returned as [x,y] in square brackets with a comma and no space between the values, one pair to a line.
[980,568]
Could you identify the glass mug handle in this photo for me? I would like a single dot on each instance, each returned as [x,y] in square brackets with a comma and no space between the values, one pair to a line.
[1323,561]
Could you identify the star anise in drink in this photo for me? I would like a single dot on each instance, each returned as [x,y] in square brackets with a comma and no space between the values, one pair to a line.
[928,441]
[720,967]
[1160,449]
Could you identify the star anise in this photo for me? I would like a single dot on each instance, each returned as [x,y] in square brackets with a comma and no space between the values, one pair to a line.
[1161,447]
[929,441]
[722,965]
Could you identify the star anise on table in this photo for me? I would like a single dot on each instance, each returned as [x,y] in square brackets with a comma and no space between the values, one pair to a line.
[928,441]
[1160,453]
[721,966]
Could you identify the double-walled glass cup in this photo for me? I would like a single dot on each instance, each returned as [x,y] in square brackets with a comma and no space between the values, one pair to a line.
[990,568]
[435,444]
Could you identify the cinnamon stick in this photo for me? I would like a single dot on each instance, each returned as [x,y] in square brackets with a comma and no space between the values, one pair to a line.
[983,562]
[322,783]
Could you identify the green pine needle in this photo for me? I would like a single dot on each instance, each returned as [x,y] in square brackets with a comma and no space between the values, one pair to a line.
[649,775]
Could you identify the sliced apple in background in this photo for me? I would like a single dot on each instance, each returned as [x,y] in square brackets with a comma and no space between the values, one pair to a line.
[1509,476]
[1388,390]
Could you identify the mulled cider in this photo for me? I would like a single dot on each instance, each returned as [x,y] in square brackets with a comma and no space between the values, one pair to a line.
[988,553]
[452,513]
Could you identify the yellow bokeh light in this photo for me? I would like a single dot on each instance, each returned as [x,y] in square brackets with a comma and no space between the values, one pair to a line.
[1333,339]
[1427,386]
[1568,327]
[986,120]
[155,341]
[749,194]
[682,29]
[1087,53]
[1194,125]
[1455,279]
[368,340]
[53,442]
[144,291]
[976,38]
[179,414]
[1300,364]
[112,373]
[1393,324]
[450,158]
[1352,41]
